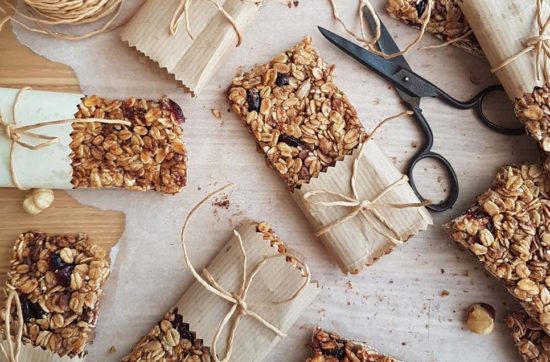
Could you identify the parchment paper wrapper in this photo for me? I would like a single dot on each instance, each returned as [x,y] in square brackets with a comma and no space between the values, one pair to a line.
[355,243]
[191,61]
[277,280]
[49,167]
[502,28]
[30,353]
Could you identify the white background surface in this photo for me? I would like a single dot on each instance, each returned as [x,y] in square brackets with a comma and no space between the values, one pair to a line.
[395,304]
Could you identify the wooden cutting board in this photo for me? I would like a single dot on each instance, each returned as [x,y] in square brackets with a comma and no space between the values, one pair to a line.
[66,215]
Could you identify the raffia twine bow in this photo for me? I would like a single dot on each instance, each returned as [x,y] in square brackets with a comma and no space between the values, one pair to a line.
[363,207]
[181,14]
[12,353]
[15,134]
[240,305]
[44,14]
[540,44]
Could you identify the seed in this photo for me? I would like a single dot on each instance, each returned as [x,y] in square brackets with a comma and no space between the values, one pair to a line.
[481,318]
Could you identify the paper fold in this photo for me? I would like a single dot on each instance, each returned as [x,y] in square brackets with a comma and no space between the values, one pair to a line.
[503,28]
[191,61]
[29,353]
[49,167]
[278,280]
[355,243]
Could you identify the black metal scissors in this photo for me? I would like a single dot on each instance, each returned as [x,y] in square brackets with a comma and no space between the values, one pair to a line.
[411,88]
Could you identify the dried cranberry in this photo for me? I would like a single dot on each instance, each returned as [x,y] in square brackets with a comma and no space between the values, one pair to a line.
[183,328]
[30,310]
[253,99]
[289,140]
[176,109]
[420,7]
[64,275]
[56,262]
[336,352]
[282,79]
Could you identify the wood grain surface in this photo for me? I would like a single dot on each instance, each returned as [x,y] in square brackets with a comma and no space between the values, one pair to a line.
[411,303]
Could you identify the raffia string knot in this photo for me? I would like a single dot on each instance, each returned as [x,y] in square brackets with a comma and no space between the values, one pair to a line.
[181,14]
[12,353]
[14,132]
[241,307]
[363,207]
[540,44]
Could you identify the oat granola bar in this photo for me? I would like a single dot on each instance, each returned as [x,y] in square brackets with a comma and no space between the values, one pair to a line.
[532,343]
[446,21]
[300,119]
[533,110]
[507,230]
[149,155]
[330,347]
[59,280]
[172,339]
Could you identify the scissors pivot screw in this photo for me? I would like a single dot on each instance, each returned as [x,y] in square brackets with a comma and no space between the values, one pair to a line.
[406,79]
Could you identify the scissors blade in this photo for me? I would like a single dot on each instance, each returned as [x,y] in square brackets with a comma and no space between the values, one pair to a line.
[387,45]
[402,78]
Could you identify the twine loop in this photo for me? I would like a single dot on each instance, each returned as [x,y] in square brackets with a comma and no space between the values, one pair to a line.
[539,43]
[14,133]
[241,307]
[364,207]
[181,14]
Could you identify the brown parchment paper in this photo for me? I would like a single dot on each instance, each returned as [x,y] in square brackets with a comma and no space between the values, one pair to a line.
[278,280]
[502,28]
[191,61]
[355,243]
[29,353]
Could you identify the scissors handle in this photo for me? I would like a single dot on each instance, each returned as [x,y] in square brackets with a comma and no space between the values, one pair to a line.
[477,104]
[426,153]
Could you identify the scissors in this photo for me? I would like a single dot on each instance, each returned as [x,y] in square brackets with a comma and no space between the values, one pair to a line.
[411,88]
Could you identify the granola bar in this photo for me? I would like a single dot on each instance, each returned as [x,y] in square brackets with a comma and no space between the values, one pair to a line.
[533,344]
[149,155]
[59,280]
[301,121]
[446,21]
[533,110]
[170,340]
[507,230]
[330,347]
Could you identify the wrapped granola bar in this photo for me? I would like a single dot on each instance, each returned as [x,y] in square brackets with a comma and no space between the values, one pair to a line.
[312,136]
[532,343]
[446,21]
[66,141]
[58,281]
[185,333]
[330,347]
[191,56]
[507,230]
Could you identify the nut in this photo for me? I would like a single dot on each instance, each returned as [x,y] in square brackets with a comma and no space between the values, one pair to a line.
[38,200]
[481,318]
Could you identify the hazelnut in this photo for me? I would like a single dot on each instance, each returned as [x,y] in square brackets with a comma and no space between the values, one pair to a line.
[481,318]
[38,200]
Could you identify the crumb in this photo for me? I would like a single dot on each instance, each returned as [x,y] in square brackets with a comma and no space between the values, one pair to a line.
[112,349]
[348,302]
[414,144]
[444,293]
[217,113]
[349,285]
[442,271]
[221,203]
[403,343]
